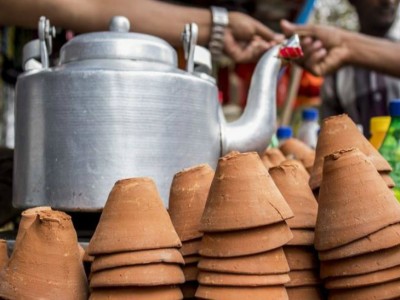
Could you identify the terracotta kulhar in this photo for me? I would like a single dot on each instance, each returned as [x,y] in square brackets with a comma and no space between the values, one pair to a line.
[225,279]
[340,132]
[133,215]
[362,264]
[28,216]
[242,293]
[301,258]
[295,189]
[299,150]
[302,237]
[270,262]
[353,202]
[188,196]
[139,275]
[245,242]
[190,247]
[169,255]
[138,293]
[242,196]
[47,263]
[364,279]
[305,292]
[387,290]
[272,157]
[385,238]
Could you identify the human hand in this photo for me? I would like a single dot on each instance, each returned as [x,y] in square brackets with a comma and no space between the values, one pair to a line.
[246,39]
[325,48]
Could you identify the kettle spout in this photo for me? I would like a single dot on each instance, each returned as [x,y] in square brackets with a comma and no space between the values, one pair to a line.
[254,129]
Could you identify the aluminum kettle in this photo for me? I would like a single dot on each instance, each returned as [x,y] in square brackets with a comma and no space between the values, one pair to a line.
[117,106]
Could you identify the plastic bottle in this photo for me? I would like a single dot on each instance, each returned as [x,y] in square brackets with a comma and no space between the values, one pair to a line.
[308,130]
[378,127]
[283,133]
[390,148]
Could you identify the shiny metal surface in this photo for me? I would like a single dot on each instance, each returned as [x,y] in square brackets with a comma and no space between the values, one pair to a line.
[202,60]
[92,120]
[119,24]
[46,34]
[80,130]
[118,45]
[254,129]
[40,48]
[30,51]
[189,40]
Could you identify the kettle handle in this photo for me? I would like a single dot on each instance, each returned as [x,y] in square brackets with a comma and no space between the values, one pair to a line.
[189,39]
[198,59]
[40,48]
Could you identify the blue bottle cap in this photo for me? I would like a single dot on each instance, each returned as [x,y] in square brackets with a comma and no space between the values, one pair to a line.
[394,108]
[310,114]
[284,132]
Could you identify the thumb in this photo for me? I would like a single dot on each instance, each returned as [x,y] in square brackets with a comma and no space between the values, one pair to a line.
[288,28]
[303,30]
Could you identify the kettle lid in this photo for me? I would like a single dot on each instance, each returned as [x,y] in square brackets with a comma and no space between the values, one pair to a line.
[118,43]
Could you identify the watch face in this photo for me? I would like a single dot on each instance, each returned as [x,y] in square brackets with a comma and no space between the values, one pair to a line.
[219,15]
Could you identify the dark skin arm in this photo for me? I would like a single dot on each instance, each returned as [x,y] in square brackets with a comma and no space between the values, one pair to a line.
[327,48]
[245,38]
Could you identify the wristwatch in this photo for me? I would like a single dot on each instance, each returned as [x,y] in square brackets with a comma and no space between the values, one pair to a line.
[220,21]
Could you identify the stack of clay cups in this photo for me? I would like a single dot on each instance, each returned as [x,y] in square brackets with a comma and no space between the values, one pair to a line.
[272,157]
[3,254]
[188,196]
[135,246]
[46,261]
[340,132]
[295,148]
[244,225]
[357,234]
[292,181]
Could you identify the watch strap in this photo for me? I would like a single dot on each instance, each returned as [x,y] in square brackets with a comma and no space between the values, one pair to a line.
[220,21]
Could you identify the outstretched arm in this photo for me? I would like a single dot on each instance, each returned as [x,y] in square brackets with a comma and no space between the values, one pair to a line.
[153,17]
[328,48]
[245,38]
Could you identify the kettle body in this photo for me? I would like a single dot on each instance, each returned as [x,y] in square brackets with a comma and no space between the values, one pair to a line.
[80,128]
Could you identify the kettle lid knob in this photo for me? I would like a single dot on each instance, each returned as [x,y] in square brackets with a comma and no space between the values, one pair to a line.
[119,24]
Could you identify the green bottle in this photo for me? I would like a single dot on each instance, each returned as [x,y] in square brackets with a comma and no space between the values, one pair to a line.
[390,148]
[274,142]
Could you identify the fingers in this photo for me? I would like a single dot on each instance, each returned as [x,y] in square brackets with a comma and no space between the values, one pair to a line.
[322,46]
[314,54]
[247,52]
[303,30]
[311,47]
[333,61]
[320,63]
[288,28]
[316,60]
[245,28]
[279,38]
